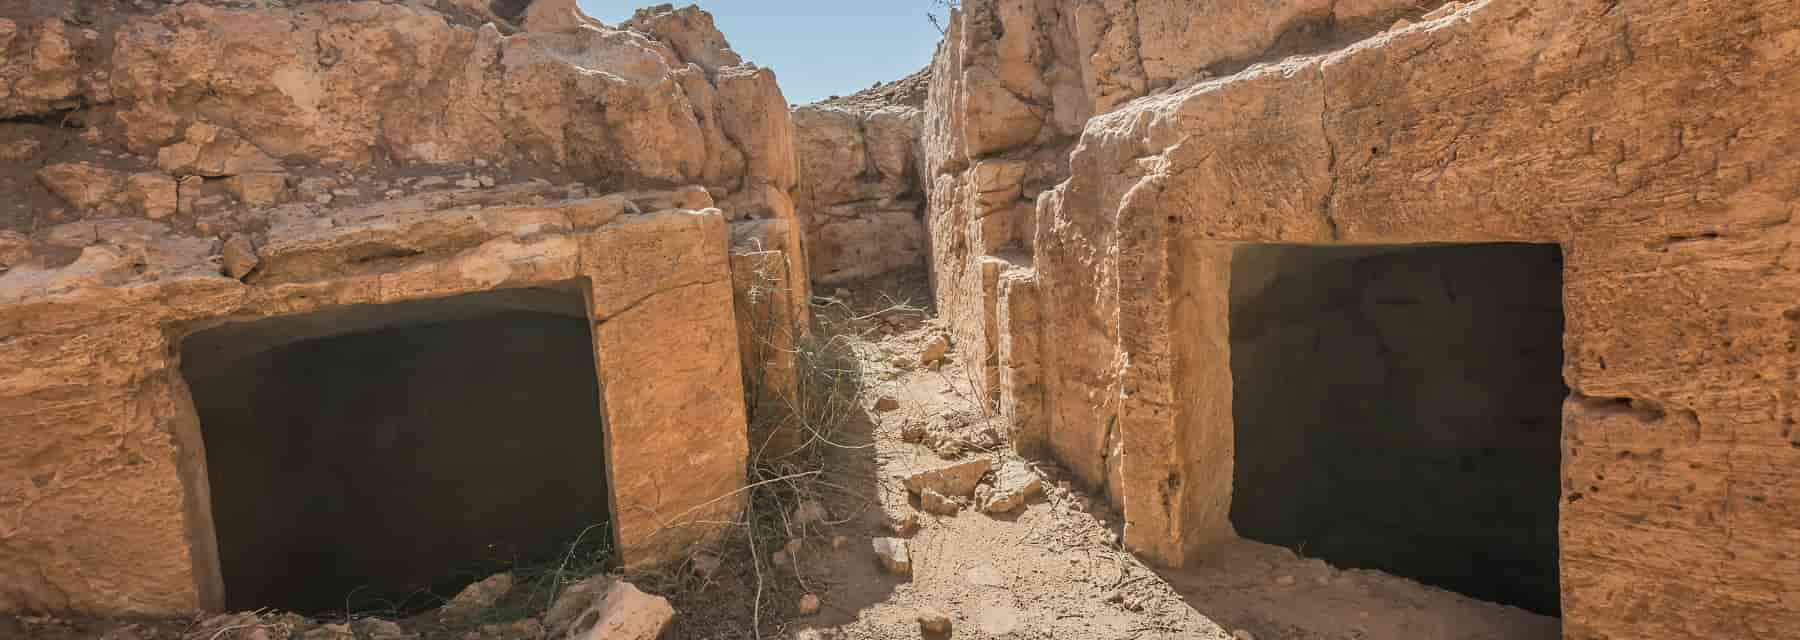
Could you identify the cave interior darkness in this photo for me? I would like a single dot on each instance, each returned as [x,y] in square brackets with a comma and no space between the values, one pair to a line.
[1398,408]
[383,456]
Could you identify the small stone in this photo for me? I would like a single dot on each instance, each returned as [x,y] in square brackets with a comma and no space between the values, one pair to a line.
[793,548]
[693,198]
[1115,596]
[1286,581]
[893,555]
[957,480]
[705,565]
[839,542]
[935,351]
[904,523]
[347,193]
[257,189]
[15,248]
[378,629]
[886,404]
[1241,634]
[1014,484]
[1398,25]
[933,502]
[83,185]
[841,293]
[20,150]
[933,621]
[809,604]
[324,198]
[572,601]
[622,613]
[469,183]
[239,257]
[486,181]
[902,363]
[913,431]
[432,181]
[152,194]
[480,596]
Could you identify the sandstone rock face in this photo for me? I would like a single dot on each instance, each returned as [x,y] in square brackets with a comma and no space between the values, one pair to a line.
[767,334]
[320,95]
[1014,83]
[1171,133]
[102,334]
[42,69]
[179,166]
[859,192]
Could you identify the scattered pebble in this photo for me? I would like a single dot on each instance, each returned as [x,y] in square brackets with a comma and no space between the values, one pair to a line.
[934,621]
[893,555]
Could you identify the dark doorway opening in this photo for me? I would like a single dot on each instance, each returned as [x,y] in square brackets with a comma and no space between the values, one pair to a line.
[382,457]
[1398,408]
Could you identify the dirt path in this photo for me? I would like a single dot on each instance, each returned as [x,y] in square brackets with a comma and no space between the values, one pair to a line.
[1055,570]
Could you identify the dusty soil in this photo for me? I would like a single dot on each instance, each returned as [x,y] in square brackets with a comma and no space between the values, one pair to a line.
[1273,593]
[1051,570]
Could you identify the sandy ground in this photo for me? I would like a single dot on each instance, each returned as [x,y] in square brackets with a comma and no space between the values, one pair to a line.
[1272,593]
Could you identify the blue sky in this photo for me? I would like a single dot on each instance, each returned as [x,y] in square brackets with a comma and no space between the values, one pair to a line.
[818,48]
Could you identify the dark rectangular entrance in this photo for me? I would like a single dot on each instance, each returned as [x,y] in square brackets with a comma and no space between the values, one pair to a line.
[1398,408]
[381,457]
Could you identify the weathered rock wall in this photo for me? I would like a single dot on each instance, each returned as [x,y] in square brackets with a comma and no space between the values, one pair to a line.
[1015,82]
[1649,139]
[205,114]
[103,485]
[175,166]
[859,194]
[1653,140]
